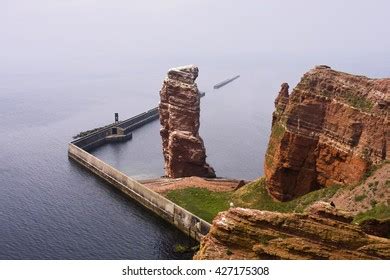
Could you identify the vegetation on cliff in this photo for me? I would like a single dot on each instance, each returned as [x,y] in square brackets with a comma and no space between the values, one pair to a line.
[321,232]
[329,130]
[207,204]
[370,198]
[306,227]
[277,132]
[202,202]
[256,196]
[378,212]
[357,101]
[325,194]
[367,200]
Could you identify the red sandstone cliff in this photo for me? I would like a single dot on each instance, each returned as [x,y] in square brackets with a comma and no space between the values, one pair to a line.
[183,148]
[321,233]
[328,131]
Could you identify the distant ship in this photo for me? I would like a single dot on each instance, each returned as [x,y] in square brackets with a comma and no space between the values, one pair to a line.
[221,84]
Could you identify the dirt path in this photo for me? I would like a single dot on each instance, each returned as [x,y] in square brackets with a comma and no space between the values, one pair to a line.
[163,185]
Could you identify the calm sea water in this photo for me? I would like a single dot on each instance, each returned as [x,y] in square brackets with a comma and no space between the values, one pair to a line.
[235,121]
[50,208]
[68,66]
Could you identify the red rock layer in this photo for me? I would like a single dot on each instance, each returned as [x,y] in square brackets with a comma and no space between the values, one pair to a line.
[320,233]
[329,131]
[183,148]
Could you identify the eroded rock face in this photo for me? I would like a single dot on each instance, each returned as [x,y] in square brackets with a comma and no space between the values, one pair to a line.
[183,148]
[321,233]
[328,131]
[376,227]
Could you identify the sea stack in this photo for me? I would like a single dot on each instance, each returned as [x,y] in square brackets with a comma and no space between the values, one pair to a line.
[329,130]
[183,148]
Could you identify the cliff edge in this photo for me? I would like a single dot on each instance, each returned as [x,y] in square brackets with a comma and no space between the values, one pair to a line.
[322,232]
[329,130]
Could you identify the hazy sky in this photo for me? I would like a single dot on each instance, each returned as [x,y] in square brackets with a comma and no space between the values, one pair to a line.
[62,30]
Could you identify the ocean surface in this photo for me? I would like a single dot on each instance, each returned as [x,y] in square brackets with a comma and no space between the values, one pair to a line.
[50,208]
[68,66]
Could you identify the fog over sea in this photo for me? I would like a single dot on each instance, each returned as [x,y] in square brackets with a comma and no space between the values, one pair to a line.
[67,66]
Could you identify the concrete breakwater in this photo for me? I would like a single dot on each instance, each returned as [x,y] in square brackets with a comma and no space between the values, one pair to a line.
[116,132]
[187,222]
[119,131]
[225,82]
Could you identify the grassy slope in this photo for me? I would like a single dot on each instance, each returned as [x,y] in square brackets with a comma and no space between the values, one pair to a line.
[380,211]
[202,202]
[206,204]
[255,195]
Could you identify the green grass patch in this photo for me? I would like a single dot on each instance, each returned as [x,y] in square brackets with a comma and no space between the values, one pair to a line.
[202,202]
[361,197]
[180,248]
[255,195]
[370,171]
[277,130]
[379,212]
[207,204]
[358,101]
[277,133]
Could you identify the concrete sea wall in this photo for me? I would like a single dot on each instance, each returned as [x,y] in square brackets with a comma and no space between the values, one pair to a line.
[123,131]
[223,83]
[187,222]
[78,149]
